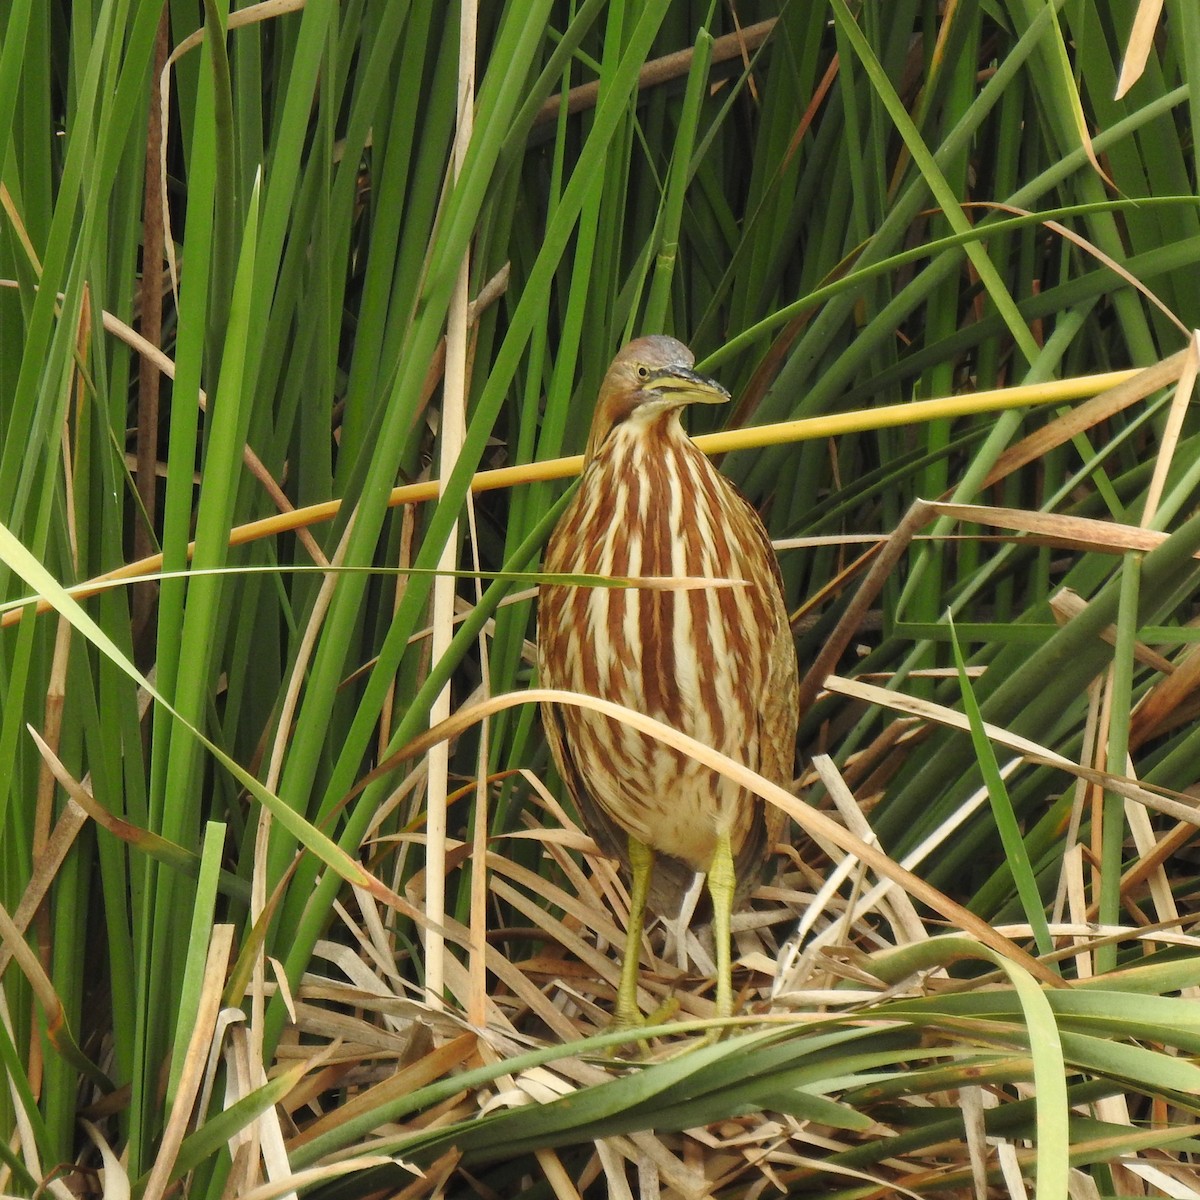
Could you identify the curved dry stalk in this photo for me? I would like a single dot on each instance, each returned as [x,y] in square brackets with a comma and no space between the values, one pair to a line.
[1172,803]
[811,820]
[662,70]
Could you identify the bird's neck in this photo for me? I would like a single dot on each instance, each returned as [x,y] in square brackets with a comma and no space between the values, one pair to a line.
[643,429]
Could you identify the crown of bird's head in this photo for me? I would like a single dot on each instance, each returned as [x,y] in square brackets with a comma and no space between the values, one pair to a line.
[650,376]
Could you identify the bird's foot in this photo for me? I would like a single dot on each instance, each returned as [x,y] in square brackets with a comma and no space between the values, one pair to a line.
[630,1020]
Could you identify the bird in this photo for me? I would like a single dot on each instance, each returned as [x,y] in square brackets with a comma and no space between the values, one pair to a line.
[716,663]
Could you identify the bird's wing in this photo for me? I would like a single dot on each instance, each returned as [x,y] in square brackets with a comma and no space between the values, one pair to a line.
[670,879]
[609,836]
[778,717]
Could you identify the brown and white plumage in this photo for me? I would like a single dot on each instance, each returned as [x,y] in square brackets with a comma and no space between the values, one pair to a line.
[718,664]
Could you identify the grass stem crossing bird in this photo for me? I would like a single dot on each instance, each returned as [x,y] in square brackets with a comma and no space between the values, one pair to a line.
[716,663]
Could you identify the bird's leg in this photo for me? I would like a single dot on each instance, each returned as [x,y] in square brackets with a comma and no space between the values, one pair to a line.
[721,884]
[641,863]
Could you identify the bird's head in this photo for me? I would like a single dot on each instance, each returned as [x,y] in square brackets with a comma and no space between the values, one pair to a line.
[650,377]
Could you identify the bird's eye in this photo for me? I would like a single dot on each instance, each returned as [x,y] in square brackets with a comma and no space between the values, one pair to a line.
[643,372]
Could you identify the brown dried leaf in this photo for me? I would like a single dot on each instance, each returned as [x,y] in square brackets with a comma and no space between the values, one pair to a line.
[1085,416]
[1137,50]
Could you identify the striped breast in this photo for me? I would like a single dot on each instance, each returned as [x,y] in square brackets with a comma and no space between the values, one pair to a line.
[705,661]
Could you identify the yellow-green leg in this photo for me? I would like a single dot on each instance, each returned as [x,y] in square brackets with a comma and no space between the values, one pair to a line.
[641,863]
[721,885]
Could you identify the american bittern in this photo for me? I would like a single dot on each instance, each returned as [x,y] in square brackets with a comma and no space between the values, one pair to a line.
[716,663]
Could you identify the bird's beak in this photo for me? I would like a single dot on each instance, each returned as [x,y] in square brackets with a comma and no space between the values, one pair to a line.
[687,387]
